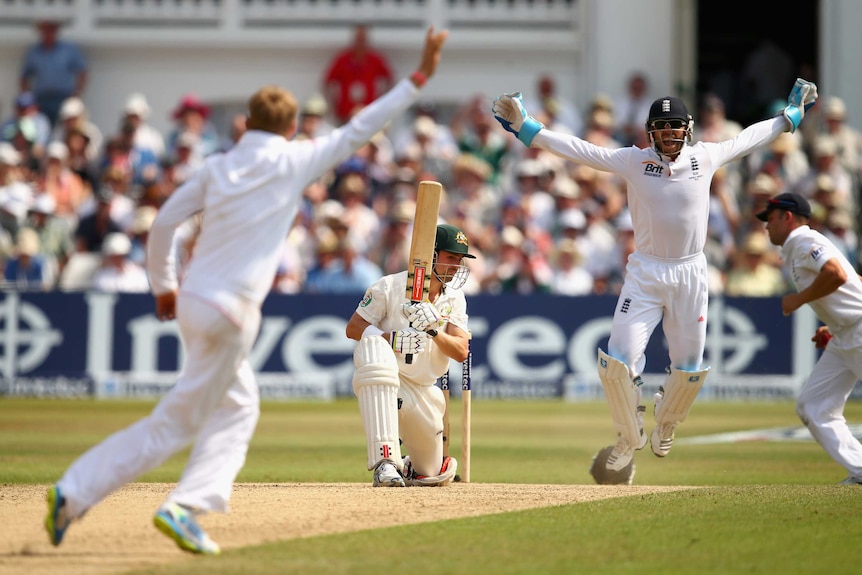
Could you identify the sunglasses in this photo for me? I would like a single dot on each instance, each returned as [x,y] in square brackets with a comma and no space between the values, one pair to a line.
[673,124]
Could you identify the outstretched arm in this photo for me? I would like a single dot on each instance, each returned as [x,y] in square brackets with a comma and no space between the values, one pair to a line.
[430,56]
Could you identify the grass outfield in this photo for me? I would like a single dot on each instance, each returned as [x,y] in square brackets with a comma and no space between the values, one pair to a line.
[770,507]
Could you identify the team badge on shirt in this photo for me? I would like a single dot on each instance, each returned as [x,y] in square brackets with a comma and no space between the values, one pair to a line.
[366,301]
[817,252]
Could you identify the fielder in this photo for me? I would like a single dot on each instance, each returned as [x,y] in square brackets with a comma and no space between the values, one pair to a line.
[400,400]
[827,281]
[666,277]
[248,198]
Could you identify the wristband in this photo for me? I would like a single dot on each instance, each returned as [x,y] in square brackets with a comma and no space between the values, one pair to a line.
[372,330]
[418,78]
[432,332]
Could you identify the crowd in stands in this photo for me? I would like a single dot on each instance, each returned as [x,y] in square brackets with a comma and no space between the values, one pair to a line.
[77,200]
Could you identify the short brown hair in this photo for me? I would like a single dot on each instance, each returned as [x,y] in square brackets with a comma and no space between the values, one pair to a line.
[272,109]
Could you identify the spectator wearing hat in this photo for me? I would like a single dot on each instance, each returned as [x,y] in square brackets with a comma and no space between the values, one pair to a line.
[569,276]
[312,119]
[117,273]
[848,139]
[471,195]
[73,115]
[16,194]
[139,233]
[753,272]
[141,164]
[356,76]
[561,112]
[826,161]
[94,227]
[55,233]
[27,270]
[362,221]
[476,133]
[517,267]
[192,126]
[27,117]
[784,159]
[839,227]
[52,69]
[136,113]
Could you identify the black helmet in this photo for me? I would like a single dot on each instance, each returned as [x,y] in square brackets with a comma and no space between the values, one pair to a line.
[668,110]
[452,239]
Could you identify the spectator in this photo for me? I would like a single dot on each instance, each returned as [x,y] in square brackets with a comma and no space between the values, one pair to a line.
[15,193]
[117,273]
[27,117]
[122,152]
[27,270]
[392,250]
[55,234]
[73,116]
[631,108]
[95,227]
[61,184]
[139,233]
[136,112]
[53,70]
[364,224]
[312,119]
[848,140]
[569,276]
[826,161]
[752,274]
[356,76]
[470,194]
[191,116]
[561,112]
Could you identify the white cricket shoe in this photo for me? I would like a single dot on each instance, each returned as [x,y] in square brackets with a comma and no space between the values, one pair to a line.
[661,438]
[623,452]
[387,475]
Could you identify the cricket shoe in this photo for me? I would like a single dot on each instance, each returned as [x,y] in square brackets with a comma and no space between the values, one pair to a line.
[387,475]
[57,519]
[447,473]
[851,481]
[623,452]
[179,524]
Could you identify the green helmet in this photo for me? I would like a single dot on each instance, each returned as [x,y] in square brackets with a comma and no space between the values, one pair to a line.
[452,239]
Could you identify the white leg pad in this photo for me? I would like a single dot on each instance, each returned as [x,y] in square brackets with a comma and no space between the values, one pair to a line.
[680,391]
[623,397]
[375,383]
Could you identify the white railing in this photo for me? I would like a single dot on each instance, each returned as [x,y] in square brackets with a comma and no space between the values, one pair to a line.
[253,21]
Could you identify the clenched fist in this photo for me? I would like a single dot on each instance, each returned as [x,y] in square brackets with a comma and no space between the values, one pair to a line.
[422,315]
[408,341]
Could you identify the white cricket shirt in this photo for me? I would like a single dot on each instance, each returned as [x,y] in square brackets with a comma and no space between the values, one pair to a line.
[381,307]
[249,197]
[804,252]
[668,201]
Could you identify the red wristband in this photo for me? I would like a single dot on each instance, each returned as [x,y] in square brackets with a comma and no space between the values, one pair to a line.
[418,78]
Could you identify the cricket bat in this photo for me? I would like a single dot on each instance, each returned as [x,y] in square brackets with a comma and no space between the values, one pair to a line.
[421,262]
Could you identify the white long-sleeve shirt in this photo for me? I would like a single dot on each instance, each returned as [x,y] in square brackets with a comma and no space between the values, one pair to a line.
[804,253]
[249,197]
[668,201]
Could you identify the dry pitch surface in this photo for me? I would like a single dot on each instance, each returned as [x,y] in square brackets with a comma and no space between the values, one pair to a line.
[117,535]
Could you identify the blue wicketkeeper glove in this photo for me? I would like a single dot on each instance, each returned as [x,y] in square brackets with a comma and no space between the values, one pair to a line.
[509,111]
[801,98]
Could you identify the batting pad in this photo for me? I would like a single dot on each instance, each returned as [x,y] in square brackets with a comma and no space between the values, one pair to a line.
[375,383]
[680,391]
[623,396]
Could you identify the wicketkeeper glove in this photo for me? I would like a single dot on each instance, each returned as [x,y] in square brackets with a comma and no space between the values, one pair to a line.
[422,315]
[509,111]
[408,341]
[801,98]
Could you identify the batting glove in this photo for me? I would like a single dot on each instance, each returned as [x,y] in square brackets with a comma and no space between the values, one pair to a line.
[408,341]
[509,110]
[422,315]
[801,98]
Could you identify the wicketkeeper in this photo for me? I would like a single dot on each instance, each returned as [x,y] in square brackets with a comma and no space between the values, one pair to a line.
[668,196]
[398,400]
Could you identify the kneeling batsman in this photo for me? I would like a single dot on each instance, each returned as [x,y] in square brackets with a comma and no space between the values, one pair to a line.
[399,402]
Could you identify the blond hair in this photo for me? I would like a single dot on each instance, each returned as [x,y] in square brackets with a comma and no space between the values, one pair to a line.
[272,109]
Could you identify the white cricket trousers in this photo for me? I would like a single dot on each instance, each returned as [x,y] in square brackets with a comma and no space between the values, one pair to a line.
[821,401]
[673,292]
[215,404]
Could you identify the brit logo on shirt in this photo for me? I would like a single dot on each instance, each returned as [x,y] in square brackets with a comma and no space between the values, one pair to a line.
[817,252]
[653,169]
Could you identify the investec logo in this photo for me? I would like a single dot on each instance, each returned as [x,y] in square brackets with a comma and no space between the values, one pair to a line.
[27,337]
